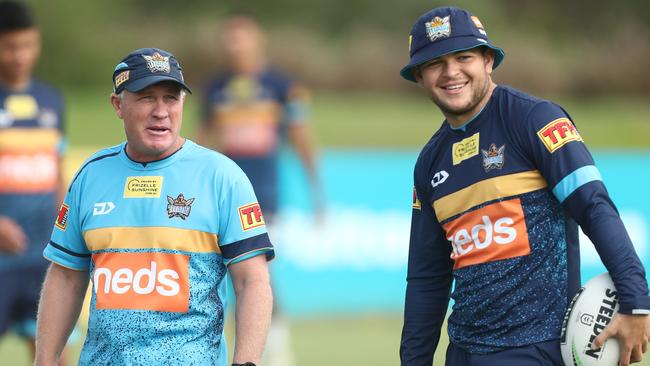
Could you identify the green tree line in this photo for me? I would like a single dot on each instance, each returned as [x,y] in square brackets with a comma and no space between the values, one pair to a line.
[573,47]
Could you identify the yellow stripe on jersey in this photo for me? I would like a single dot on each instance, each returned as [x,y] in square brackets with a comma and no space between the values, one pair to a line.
[29,139]
[154,237]
[487,190]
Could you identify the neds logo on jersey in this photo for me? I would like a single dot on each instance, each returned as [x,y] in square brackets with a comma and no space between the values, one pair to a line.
[491,233]
[142,281]
[558,133]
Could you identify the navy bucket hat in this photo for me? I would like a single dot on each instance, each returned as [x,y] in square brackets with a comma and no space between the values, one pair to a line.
[144,67]
[442,31]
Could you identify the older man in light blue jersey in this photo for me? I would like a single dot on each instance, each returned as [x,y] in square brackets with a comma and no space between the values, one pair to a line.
[156,223]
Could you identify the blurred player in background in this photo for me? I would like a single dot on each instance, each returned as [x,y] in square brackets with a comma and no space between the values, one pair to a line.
[247,112]
[249,109]
[31,146]
[156,244]
[500,190]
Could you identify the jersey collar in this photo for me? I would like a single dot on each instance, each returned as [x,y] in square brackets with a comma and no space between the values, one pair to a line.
[156,164]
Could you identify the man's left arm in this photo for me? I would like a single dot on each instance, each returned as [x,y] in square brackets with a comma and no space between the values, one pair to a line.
[246,248]
[596,214]
[567,165]
[299,133]
[250,280]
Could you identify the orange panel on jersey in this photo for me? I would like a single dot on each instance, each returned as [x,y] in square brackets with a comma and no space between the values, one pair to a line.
[494,232]
[28,172]
[247,139]
[142,281]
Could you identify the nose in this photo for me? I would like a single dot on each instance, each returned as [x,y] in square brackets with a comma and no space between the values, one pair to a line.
[160,110]
[451,68]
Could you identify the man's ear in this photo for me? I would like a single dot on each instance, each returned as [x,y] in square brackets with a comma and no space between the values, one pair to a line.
[488,58]
[417,74]
[116,102]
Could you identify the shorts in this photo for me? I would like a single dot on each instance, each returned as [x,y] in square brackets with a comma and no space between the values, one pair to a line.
[20,289]
[539,354]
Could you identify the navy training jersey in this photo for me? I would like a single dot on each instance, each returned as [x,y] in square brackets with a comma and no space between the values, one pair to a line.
[31,143]
[157,239]
[496,208]
[247,115]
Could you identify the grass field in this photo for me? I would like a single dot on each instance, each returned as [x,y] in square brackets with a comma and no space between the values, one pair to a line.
[361,120]
[351,121]
[365,340]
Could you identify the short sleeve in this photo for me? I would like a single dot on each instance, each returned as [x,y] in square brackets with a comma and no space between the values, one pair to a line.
[297,107]
[242,230]
[67,246]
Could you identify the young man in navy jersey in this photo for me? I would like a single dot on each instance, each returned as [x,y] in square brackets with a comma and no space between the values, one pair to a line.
[31,147]
[500,190]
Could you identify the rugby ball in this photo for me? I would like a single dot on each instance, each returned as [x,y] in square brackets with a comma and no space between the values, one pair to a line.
[590,311]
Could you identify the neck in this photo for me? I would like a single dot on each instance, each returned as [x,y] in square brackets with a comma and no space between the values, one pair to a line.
[458,120]
[145,157]
[251,66]
[15,83]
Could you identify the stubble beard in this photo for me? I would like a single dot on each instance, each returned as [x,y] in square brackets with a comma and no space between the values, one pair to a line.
[477,97]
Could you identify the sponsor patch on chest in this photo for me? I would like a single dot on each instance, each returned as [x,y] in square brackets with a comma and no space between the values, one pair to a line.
[465,149]
[142,281]
[491,233]
[143,187]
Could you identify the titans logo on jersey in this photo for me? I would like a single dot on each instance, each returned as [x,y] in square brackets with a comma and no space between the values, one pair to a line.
[501,225]
[157,246]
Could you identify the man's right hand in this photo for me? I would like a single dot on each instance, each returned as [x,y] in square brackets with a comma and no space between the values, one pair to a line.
[12,238]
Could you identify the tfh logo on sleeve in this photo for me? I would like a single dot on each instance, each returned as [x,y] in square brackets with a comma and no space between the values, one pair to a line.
[251,216]
[558,133]
[62,217]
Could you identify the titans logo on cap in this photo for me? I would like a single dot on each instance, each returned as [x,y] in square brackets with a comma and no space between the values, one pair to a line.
[157,62]
[438,28]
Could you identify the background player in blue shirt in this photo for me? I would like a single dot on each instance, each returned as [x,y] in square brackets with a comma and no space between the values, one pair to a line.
[248,112]
[31,146]
[156,223]
[500,190]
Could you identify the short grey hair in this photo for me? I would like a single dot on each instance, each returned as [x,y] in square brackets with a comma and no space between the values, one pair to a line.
[120,95]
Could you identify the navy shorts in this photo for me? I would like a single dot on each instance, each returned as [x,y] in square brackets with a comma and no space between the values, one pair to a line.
[539,354]
[20,290]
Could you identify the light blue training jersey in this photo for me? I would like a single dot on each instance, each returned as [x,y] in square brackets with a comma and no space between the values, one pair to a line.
[157,239]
